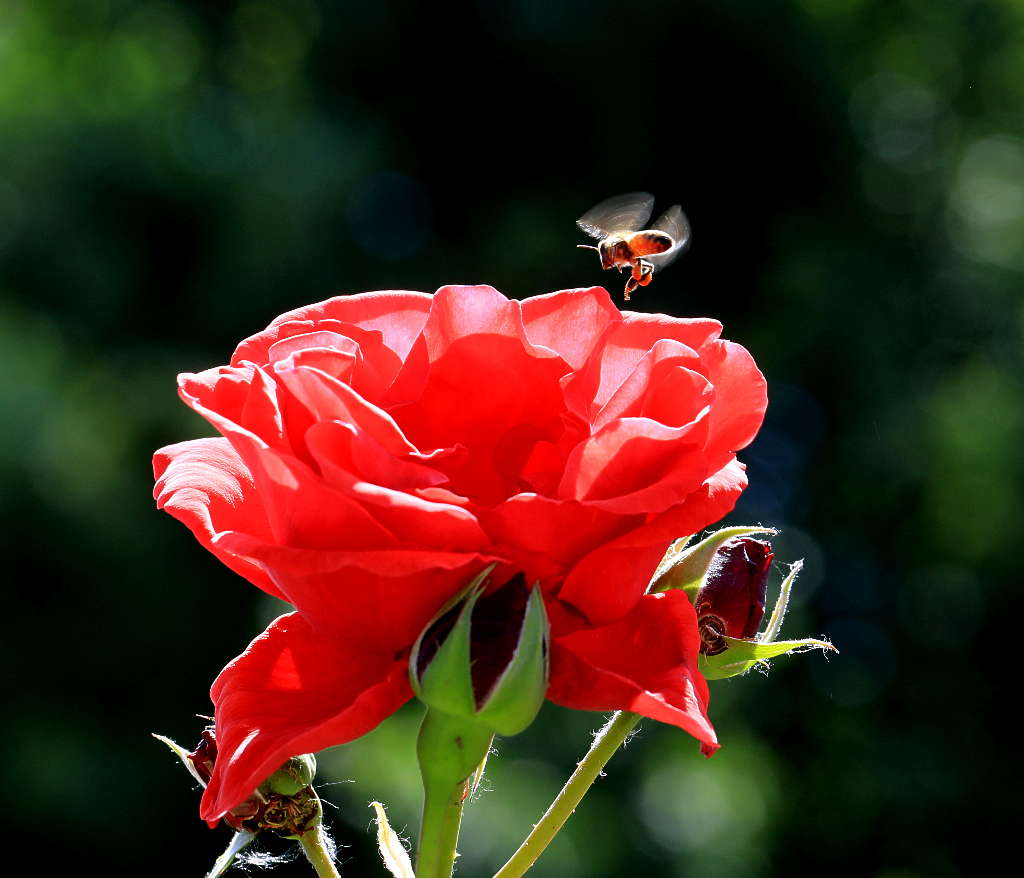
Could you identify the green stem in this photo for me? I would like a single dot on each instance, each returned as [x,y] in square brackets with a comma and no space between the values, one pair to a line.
[606,742]
[449,751]
[314,844]
[439,834]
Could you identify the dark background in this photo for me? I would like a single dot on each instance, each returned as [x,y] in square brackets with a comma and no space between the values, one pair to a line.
[175,174]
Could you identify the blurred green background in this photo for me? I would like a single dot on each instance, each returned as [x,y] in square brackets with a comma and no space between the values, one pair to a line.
[175,174]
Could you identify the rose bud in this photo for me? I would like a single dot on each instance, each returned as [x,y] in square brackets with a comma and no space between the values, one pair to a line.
[688,569]
[486,657]
[725,576]
[292,777]
[731,601]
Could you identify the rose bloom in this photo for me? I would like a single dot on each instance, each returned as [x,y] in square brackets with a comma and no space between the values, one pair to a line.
[380,450]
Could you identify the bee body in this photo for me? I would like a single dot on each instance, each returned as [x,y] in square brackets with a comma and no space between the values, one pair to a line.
[617,224]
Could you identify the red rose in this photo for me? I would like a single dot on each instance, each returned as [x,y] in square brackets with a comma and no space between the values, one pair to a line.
[381,449]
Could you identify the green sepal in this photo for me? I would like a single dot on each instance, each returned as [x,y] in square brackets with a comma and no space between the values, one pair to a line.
[687,570]
[741,655]
[668,559]
[183,755]
[517,696]
[446,683]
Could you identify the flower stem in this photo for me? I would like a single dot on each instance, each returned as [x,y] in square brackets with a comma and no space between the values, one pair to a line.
[606,742]
[442,818]
[449,750]
[314,844]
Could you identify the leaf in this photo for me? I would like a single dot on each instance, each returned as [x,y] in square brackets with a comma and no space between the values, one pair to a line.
[224,861]
[392,851]
[183,755]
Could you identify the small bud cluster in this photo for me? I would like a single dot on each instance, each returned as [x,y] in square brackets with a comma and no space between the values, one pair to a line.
[284,803]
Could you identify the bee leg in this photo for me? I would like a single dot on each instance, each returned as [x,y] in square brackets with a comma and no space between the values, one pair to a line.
[630,286]
[648,274]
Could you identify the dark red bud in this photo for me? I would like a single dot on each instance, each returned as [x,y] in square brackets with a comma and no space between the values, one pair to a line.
[731,601]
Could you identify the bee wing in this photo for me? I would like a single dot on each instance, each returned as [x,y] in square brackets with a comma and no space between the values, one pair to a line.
[674,222]
[621,213]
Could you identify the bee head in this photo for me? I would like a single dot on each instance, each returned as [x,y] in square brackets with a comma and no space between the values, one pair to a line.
[613,250]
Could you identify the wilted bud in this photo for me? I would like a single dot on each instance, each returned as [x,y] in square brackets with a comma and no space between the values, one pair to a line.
[284,803]
[205,754]
[486,657]
[731,601]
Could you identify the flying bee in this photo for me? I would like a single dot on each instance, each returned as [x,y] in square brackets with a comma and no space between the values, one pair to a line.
[618,224]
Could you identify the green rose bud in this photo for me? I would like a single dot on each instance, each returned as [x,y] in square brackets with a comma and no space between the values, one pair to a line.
[485,657]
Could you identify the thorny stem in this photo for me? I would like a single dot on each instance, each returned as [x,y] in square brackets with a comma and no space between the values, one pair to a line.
[314,844]
[606,742]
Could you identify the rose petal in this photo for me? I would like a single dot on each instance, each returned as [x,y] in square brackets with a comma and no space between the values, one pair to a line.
[294,691]
[741,395]
[302,509]
[645,663]
[640,393]
[244,396]
[624,346]
[459,312]
[331,352]
[328,399]
[205,485]
[356,356]
[636,465]
[608,582]
[475,339]
[344,455]
[398,315]
[570,322]
[562,530]
[381,599]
